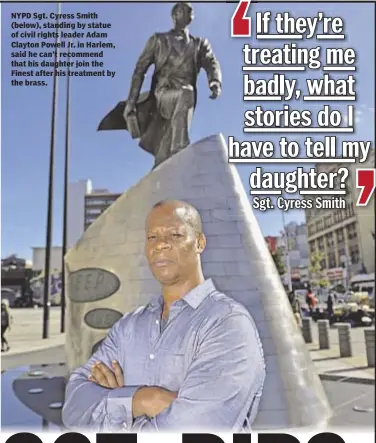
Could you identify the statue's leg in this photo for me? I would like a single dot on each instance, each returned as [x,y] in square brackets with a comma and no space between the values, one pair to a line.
[181,120]
[176,107]
[163,152]
[165,107]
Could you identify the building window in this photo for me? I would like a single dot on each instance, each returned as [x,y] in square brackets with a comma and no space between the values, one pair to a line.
[93,211]
[351,208]
[341,215]
[328,221]
[354,254]
[312,247]
[323,264]
[311,229]
[342,253]
[319,226]
[321,243]
[90,218]
[112,200]
[332,260]
[95,202]
[340,235]
[330,240]
[104,201]
[351,231]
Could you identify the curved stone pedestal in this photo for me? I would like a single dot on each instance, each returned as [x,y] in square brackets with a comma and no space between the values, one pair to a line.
[236,257]
[32,397]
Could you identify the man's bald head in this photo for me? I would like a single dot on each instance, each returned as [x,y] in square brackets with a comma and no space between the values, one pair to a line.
[185,211]
[174,242]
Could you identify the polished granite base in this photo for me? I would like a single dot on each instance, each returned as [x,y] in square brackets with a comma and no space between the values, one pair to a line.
[32,397]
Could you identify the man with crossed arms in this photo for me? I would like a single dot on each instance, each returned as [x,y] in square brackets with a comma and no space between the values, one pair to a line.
[190,360]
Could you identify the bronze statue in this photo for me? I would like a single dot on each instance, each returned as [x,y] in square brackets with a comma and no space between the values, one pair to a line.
[161,117]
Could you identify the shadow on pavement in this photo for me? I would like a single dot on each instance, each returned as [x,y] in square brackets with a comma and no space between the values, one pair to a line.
[33,396]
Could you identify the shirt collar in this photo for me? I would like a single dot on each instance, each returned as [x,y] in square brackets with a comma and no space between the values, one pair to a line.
[193,298]
[182,33]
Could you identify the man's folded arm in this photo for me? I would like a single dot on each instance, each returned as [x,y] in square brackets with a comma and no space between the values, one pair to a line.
[223,383]
[90,405]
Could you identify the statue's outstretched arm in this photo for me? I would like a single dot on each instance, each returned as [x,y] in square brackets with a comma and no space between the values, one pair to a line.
[210,63]
[144,62]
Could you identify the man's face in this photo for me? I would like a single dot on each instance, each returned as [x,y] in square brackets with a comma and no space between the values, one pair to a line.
[172,246]
[184,15]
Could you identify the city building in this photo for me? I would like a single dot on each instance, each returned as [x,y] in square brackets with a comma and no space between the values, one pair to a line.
[39,257]
[297,244]
[96,203]
[15,279]
[77,192]
[37,282]
[344,237]
[85,205]
[296,260]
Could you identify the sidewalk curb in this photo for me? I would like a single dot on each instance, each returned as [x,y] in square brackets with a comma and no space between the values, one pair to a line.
[4,355]
[358,380]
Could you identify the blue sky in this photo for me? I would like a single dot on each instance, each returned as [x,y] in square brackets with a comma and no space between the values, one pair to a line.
[113,160]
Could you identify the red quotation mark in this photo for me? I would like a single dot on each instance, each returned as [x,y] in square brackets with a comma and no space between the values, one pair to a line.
[365,179]
[240,24]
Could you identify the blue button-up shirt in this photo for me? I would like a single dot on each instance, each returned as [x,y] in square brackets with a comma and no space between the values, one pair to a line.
[209,352]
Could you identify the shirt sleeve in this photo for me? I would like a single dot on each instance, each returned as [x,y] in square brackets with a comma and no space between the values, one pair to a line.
[88,405]
[223,385]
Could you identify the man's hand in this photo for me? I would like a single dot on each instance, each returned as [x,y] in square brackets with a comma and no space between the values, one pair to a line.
[102,375]
[151,401]
[216,90]
[129,108]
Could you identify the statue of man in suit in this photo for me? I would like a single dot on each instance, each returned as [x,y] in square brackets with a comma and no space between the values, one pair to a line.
[161,117]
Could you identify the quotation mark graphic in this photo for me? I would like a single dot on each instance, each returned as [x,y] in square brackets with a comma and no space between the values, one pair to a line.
[240,24]
[365,179]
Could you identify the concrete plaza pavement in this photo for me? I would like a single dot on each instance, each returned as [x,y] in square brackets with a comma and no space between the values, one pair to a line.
[351,403]
[331,366]
[25,334]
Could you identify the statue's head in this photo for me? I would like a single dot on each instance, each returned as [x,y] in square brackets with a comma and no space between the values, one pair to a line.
[182,14]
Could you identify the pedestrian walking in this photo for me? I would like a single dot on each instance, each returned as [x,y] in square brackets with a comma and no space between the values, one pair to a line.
[309,301]
[6,320]
[296,308]
[329,308]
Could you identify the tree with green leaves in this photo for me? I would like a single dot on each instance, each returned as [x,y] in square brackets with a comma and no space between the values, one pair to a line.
[278,261]
[318,277]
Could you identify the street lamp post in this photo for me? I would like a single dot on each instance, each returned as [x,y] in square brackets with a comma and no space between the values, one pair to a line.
[65,210]
[287,252]
[47,264]
[346,261]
